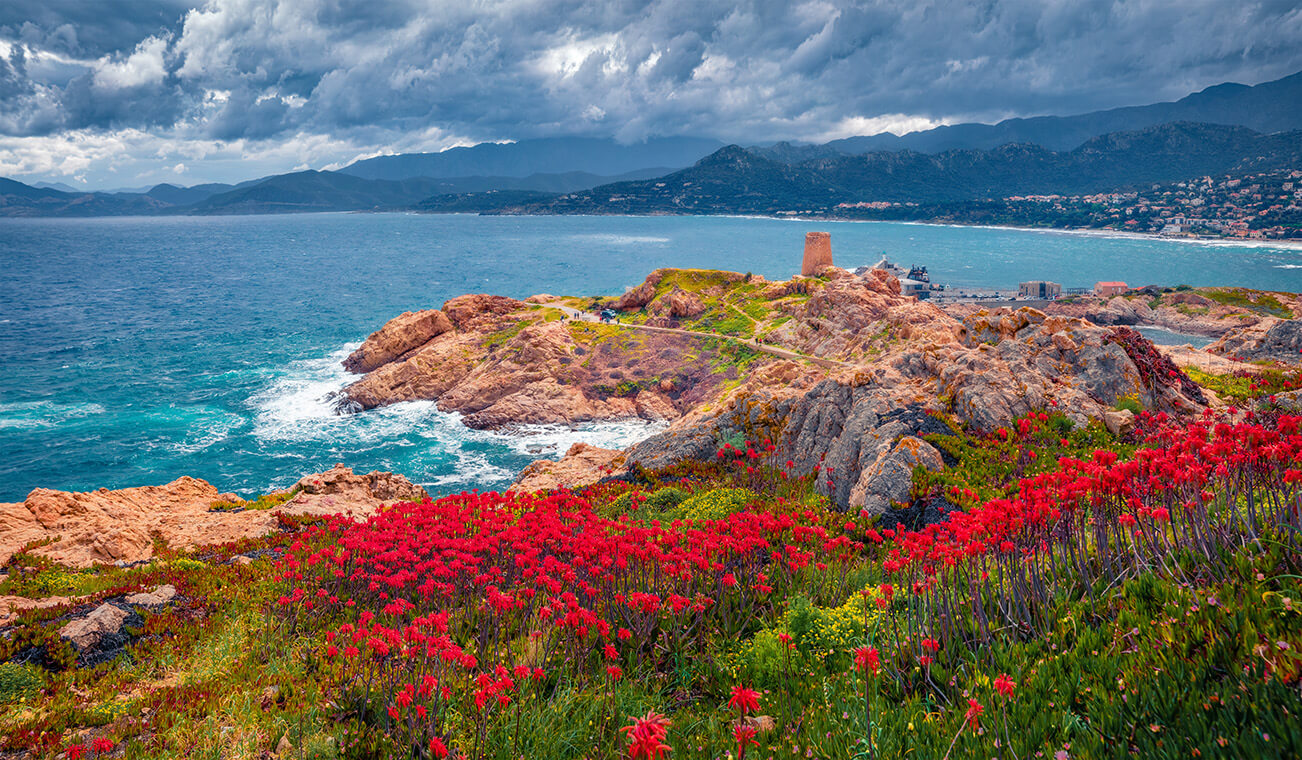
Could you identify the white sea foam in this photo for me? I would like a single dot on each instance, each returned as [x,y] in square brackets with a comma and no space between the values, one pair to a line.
[614,239]
[296,407]
[299,400]
[39,415]
[215,426]
[547,441]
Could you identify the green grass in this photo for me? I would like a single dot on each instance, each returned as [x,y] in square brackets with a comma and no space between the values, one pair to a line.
[266,501]
[1251,300]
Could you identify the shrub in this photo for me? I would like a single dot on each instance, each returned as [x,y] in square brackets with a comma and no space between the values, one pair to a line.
[665,499]
[716,504]
[18,682]
[1130,402]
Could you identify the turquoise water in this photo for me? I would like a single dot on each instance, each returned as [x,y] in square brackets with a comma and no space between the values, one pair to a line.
[138,350]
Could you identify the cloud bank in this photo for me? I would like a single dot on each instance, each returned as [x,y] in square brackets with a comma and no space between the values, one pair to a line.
[126,90]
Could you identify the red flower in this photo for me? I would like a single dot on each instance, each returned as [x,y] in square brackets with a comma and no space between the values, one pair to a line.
[974,710]
[745,700]
[865,658]
[745,736]
[646,737]
[76,752]
[101,744]
[437,748]
[1005,685]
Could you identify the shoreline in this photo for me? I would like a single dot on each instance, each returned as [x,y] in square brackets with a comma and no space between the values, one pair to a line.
[1289,244]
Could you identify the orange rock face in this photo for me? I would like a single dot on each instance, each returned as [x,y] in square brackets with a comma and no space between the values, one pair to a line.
[103,527]
[508,362]
[399,336]
[581,466]
[818,253]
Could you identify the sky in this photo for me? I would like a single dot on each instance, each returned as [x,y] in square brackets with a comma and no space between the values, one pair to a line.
[128,93]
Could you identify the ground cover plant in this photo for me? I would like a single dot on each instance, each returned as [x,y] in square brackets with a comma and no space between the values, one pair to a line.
[1080,596]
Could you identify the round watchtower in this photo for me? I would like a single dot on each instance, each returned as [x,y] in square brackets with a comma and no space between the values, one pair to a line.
[818,253]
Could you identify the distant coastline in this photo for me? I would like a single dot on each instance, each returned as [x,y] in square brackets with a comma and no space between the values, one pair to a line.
[1285,243]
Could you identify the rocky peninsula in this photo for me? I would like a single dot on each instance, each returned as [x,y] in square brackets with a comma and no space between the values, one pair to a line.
[805,421]
[838,369]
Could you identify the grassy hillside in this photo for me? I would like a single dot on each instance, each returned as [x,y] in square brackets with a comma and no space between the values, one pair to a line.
[1054,592]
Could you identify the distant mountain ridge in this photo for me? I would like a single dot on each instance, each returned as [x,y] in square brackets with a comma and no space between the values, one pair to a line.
[552,155]
[736,180]
[1266,108]
[1210,131]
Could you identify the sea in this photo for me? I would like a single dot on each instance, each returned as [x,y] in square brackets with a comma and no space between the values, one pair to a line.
[137,350]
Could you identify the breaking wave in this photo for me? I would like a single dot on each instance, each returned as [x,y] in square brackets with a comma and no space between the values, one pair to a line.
[295,412]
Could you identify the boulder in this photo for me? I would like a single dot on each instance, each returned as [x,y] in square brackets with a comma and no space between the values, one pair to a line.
[399,336]
[339,489]
[679,304]
[1271,339]
[581,466]
[1119,422]
[652,405]
[155,598]
[637,298]
[889,479]
[88,633]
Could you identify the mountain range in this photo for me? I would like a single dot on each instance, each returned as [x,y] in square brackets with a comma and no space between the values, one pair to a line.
[734,180]
[1215,130]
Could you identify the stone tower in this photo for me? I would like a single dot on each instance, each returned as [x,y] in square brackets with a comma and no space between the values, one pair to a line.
[818,252]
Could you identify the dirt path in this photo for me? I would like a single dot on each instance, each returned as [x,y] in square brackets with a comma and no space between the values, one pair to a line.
[782,353]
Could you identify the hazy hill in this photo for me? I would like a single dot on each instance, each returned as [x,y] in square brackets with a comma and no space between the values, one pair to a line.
[184,196]
[335,191]
[555,155]
[1268,107]
[18,199]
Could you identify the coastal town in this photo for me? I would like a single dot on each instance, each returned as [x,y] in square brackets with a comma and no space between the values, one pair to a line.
[1254,206]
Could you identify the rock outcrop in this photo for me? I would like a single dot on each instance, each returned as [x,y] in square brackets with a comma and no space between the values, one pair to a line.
[581,466]
[1271,339]
[508,362]
[339,488]
[845,353]
[154,598]
[397,338]
[995,365]
[105,527]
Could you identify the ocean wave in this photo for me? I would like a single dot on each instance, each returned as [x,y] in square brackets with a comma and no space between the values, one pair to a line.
[615,239]
[40,415]
[433,447]
[212,427]
[297,402]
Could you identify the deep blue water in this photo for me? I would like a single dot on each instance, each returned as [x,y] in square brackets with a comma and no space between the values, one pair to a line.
[133,351]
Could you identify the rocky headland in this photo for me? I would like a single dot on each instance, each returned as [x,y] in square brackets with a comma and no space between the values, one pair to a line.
[840,371]
[837,369]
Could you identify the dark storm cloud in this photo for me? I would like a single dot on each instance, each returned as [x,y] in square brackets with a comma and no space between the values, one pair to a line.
[368,72]
[88,28]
